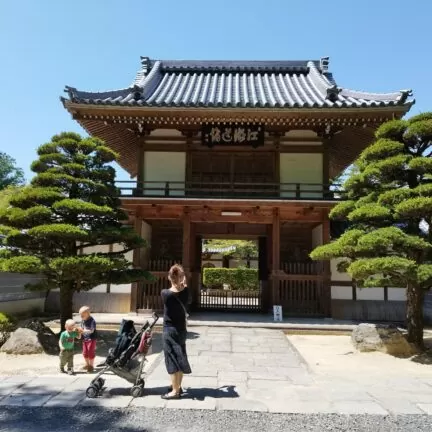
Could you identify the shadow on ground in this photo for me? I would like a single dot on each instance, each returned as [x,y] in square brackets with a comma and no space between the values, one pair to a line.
[201,393]
[426,356]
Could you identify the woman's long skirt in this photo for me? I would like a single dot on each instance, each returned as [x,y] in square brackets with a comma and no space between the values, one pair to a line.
[174,346]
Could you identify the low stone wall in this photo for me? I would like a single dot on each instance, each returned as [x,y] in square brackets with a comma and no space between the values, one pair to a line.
[97,301]
[15,299]
[368,310]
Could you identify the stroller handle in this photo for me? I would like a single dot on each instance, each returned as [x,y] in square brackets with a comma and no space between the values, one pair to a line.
[155,317]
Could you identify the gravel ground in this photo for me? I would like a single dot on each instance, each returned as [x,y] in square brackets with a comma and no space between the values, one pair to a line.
[160,420]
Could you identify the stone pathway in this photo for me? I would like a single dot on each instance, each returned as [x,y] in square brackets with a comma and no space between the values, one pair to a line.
[241,369]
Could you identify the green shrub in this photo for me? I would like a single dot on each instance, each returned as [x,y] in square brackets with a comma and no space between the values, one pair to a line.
[7,326]
[238,278]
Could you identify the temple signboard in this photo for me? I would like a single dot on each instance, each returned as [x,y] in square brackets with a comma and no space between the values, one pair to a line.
[232,135]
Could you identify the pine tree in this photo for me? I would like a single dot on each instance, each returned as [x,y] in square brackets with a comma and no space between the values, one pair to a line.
[71,206]
[389,208]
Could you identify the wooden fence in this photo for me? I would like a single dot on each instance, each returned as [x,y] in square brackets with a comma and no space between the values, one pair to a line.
[302,289]
[149,295]
[303,268]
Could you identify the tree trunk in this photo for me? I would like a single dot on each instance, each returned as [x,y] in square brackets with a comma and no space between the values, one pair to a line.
[414,315]
[66,306]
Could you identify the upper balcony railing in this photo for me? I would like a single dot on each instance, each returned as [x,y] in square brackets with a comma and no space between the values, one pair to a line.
[231,190]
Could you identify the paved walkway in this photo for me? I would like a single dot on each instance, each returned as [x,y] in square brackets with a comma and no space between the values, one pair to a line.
[226,319]
[234,369]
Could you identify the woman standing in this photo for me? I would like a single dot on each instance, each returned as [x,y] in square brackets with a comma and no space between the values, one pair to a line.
[175,300]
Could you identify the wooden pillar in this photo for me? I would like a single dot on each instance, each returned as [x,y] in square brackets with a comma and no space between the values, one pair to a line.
[186,258]
[140,167]
[275,255]
[276,144]
[137,288]
[269,286]
[276,240]
[326,266]
[196,270]
[326,168]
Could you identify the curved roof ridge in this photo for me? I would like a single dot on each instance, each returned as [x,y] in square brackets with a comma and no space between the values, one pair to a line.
[319,79]
[150,80]
[234,65]
[79,94]
[401,95]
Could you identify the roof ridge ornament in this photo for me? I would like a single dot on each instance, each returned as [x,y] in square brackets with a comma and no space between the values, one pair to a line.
[145,64]
[324,64]
[404,95]
[333,93]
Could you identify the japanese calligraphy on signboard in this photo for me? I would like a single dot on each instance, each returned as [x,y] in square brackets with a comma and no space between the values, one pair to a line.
[233,135]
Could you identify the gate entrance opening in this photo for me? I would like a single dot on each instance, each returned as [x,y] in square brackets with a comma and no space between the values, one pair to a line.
[230,279]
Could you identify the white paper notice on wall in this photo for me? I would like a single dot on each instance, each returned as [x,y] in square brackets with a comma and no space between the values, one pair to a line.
[277,313]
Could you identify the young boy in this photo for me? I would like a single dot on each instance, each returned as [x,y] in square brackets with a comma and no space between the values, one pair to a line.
[66,344]
[88,331]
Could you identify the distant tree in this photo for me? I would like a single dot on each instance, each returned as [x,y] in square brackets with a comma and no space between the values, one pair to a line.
[389,208]
[10,175]
[71,206]
[237,249]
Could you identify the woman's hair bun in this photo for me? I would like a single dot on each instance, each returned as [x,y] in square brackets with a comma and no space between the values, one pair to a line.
[176,274]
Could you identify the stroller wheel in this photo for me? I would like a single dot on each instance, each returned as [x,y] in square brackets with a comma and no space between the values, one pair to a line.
[136,391]
[100,383]
[92,392]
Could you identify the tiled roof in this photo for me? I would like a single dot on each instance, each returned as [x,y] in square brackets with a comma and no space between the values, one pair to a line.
[255,84]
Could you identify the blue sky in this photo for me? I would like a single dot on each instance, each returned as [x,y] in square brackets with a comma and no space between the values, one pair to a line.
[374,45]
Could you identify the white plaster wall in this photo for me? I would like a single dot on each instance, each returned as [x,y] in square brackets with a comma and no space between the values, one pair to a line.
[122,288]
[341,292]
[317,236]
[301,168]
[370,293]
[335,274]
[97,249]
[397,294]
[164,167]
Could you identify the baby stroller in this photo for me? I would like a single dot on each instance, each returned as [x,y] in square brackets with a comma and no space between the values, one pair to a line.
[127,358]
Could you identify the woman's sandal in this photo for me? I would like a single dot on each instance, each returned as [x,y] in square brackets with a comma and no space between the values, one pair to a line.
[170,389]
[169,396]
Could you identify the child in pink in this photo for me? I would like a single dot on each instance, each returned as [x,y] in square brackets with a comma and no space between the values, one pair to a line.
[88,332]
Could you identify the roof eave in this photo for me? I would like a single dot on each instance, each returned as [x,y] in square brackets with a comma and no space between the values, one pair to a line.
[185,111]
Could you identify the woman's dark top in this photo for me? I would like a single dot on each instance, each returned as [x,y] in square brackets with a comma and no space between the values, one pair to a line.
[174,312]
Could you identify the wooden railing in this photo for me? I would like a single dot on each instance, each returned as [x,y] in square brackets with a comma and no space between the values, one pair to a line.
[175,189]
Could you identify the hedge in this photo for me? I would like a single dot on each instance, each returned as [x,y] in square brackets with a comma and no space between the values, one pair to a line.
[7,326]
[238,278]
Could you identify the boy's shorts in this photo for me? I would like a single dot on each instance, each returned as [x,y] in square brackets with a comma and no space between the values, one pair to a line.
[89,349]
